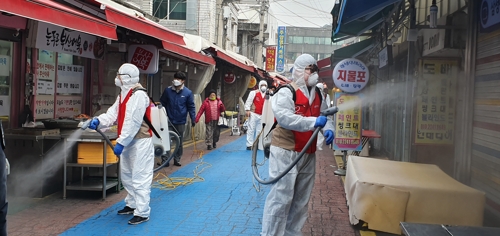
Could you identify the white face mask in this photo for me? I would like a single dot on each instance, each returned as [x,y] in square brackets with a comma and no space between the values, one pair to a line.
[313,79]
[118,82]
[176,82]
[263,89]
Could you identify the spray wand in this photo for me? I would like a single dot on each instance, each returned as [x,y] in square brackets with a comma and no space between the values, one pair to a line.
[327,112]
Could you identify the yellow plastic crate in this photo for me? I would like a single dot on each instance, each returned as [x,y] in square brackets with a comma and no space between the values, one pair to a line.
[91,153]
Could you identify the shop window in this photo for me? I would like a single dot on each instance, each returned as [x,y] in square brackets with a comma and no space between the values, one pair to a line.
[5,78]
[170,9]
[309,40]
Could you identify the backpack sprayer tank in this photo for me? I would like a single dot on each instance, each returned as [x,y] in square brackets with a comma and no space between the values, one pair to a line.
[159,120]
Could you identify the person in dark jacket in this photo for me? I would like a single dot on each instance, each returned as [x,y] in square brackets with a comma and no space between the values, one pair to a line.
[3,186]
[212,107]
[178,100]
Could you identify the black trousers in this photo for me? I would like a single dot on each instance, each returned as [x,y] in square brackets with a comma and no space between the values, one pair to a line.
[179,129]
[3,194]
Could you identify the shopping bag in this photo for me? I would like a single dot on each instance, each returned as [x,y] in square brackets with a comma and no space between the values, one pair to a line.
[222,122]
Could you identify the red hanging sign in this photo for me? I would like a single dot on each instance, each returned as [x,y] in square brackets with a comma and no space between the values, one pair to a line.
[270,58]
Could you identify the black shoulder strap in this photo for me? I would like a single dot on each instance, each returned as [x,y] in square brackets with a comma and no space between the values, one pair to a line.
[318,91]
[289,86]
[145,118]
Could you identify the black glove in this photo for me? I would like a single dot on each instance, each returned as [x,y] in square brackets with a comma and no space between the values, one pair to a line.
[193,124]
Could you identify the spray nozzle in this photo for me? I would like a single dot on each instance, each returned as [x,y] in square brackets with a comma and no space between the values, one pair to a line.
[330,111]
[86,124]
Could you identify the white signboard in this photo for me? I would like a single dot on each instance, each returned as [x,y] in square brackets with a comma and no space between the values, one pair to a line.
[489,13]
[4,105]
[145,57]
[4,65]
[350,75]
[59,39]
[45,76]
[44,106]
[433,40]
[69,79]
[383,58]
[68,106]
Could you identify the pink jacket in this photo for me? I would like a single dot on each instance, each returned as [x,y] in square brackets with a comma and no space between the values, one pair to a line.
[205,108]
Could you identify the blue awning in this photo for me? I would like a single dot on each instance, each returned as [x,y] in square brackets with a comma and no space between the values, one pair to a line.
[348,15]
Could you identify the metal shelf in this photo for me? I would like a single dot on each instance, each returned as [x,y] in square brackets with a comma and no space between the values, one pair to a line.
[92,185]
[88,165]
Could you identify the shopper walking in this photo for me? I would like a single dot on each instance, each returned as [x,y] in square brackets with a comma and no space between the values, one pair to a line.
[212,107]
[178,100]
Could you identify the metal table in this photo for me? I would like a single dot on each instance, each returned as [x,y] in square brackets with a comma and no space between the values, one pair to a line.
[416,229]
[90,185]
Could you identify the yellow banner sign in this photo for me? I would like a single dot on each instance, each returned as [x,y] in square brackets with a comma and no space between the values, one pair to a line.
[436,94]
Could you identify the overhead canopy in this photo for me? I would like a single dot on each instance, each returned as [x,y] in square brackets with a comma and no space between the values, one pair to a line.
[354,49]
[55,13]
[186,53]
[352,20]
[142,25]
[233,58]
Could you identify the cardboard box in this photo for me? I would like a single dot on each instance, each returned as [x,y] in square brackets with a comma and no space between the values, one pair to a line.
[92,153]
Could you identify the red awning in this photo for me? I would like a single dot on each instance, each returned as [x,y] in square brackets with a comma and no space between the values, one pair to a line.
[220,54]
[188,54]
[55,13]
[143,26]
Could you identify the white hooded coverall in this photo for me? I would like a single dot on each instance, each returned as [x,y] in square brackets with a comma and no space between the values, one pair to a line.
[137,158]
[285,210]
[254,121]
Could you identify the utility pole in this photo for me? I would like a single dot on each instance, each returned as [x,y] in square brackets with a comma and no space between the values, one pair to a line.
[258,53]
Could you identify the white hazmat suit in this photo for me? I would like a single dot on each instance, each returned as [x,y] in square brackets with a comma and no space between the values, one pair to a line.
[137,158]
[254,120]
[285,210]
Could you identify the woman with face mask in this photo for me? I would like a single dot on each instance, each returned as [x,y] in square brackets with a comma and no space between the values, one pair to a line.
[212,107]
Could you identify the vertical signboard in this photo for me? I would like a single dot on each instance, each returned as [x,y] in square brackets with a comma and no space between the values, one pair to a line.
[436,91]
[348,122]
[270,58]
[280,57]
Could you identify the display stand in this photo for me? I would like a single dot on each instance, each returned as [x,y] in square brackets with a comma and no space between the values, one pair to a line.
[90,185]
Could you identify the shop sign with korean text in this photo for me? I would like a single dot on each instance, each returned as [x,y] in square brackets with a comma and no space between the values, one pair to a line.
[348,122]
[45,76]
[69,79]
[58,39]
[489,15]
[4,65]
[270,58]
[44,106]
[350,75]
[280,56]
[436,94]
[145,57]
[68,106]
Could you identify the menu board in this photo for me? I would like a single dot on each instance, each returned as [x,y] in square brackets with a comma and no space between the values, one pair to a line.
[44,107]
[69,79]
[68,106]
[436,92]
[45,76]
[348,122]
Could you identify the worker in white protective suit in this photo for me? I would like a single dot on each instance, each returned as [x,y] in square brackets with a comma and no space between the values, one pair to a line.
[134,144]
[253,107]
[285,210]
[326,98]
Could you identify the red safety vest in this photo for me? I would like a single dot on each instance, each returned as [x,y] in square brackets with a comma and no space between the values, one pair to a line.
[122,107]
[303,108]
[258,101]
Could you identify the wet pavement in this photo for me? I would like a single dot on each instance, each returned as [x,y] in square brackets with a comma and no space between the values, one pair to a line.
[225,201]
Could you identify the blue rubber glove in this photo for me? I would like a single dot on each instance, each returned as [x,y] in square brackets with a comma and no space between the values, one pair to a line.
[329,137]
[94,123]
[320,122]
[118,149]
